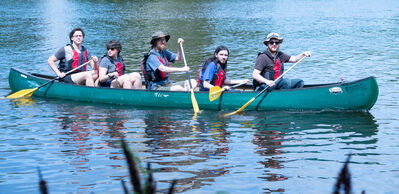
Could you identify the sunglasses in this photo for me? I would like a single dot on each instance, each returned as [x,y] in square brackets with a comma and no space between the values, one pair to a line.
[274,42]
[111,49]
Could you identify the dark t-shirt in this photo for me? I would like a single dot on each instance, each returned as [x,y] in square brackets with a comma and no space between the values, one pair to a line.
[265,63]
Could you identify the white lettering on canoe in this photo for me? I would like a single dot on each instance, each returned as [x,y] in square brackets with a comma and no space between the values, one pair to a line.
[160,95]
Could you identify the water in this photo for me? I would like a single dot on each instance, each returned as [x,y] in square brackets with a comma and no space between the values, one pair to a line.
[76,145]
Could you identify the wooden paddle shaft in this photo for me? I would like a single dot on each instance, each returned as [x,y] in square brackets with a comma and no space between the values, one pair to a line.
[185,65]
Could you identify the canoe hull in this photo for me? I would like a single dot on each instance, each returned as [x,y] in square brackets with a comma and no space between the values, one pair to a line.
[358,95]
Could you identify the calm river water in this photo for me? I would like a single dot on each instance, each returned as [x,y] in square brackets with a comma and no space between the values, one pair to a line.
[76,145]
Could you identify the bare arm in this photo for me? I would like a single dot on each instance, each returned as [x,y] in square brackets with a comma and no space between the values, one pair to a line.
[207,84]
[103,76]
[256,75]
[236,81]
[179,56]
[93,63]
[51,61]
[167,69]
[294,59]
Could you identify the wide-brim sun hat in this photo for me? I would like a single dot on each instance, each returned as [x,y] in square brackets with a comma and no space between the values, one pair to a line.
[271,36]
[158,35]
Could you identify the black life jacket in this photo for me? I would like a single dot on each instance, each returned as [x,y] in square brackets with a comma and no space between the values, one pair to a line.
[218,77]
[120,66]
[77,59]
[271,74]
[150,75]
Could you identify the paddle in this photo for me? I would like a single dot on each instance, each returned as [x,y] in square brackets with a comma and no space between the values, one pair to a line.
[29,92]
[215,91]
[261,92]
[193,100]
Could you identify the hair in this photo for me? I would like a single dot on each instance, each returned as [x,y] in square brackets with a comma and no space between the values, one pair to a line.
[215,59]
[114,44]
[154,42]
[73,32]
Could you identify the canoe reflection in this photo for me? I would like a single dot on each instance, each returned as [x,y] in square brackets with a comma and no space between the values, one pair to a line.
[186,150]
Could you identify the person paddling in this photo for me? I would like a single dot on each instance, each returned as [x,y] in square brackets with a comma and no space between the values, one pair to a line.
[213,71]
[156,66]
[70,57]
[112,69]
[270,65]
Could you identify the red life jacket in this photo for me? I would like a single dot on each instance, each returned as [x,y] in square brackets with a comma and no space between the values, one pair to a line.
[275,72]
[120,66]
[277,68]
[218,77]
[150,75]
[163,75]
[77,59]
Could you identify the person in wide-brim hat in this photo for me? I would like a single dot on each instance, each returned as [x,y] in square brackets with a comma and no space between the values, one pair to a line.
[157,65]
[158,35]
[271,36]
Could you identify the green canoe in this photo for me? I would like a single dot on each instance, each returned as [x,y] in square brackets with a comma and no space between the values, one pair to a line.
[358,95]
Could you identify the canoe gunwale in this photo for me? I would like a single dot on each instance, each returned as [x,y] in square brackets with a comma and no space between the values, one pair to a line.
[291,99]
[250,86]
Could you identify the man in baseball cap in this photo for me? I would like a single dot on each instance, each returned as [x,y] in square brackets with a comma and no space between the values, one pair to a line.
[270,65]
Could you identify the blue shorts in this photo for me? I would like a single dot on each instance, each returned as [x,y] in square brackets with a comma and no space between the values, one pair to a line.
[283,84]
[157,85]
[106,83]
[67,79]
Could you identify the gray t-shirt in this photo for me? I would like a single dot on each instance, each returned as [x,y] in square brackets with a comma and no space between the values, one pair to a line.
[153,61]
[111,67]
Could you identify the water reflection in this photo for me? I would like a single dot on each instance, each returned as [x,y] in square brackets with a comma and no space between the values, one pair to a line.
[185,151]
[20,102]
[88,140]
[281,135]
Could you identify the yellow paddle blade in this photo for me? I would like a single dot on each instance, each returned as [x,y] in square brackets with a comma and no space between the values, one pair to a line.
[194,102]
[241,109]
[22,93]
[214,93]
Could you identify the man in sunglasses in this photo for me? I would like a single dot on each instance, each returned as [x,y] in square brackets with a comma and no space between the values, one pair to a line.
[270,65]
[156,67]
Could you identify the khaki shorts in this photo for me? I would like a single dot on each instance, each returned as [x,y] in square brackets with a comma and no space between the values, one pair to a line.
[169,85]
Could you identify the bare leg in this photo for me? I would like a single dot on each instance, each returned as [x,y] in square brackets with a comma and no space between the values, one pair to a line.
[135,79]
[177,88]
[128,81]
[84,78]
[193,84]
[186,86]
